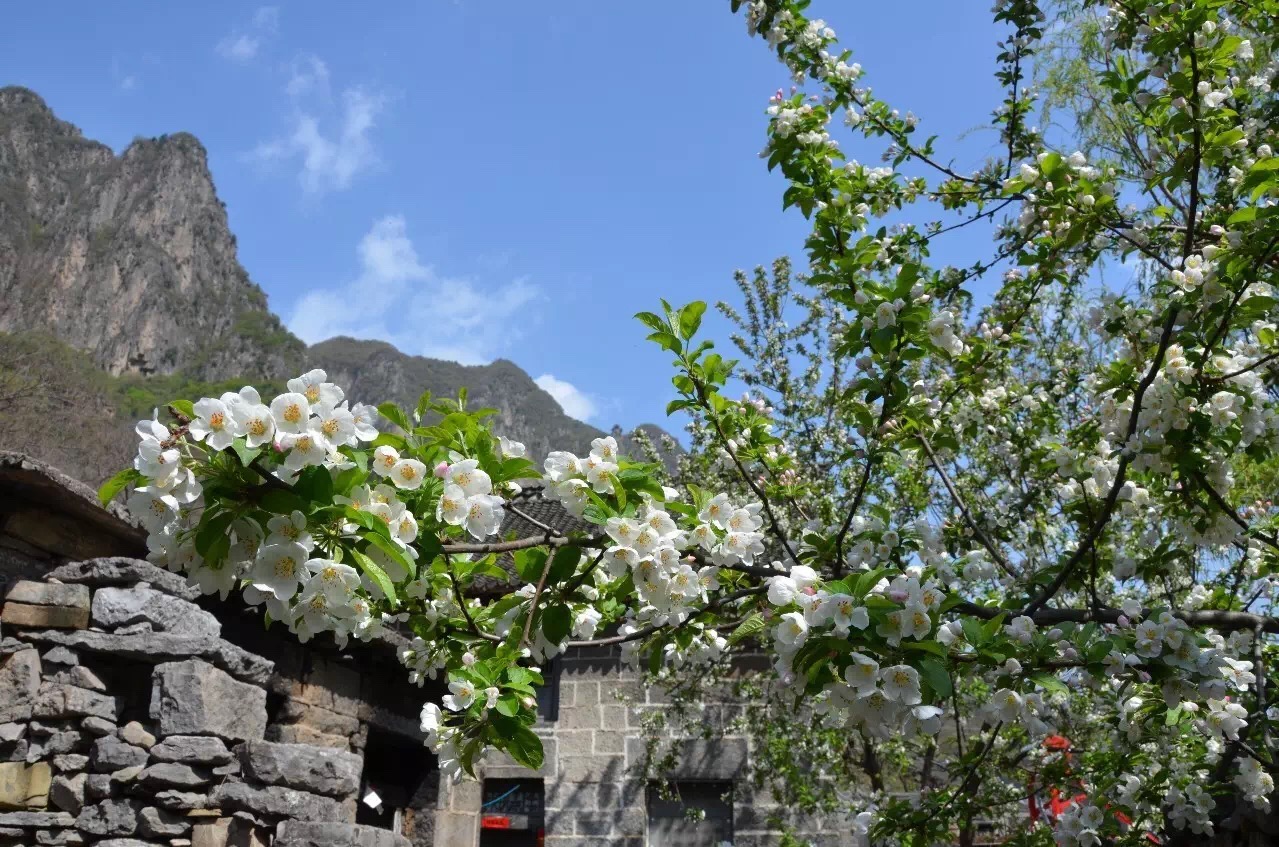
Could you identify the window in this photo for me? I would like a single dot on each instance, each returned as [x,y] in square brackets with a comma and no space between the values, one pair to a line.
[512,813]
[690,814]
[395,770]
[548,696]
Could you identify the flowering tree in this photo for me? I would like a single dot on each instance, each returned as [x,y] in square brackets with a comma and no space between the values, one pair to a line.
[950,531]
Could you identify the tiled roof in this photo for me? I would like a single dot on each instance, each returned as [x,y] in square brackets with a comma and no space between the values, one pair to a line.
[548,512]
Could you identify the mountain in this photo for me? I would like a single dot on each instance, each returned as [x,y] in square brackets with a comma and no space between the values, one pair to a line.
[120,289]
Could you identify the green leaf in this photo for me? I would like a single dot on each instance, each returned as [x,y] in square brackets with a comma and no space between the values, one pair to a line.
[935,674]
[749,628]
[282,502]
[211,529]
[393,550]
[315,484]
[376,574]
[244,452]
[118,483]
[563,564]
[395,415]
[508,705]
[1049,683]
[183,407]
[529,564]
[666,341]
[652,321]
[520,742]
[689,319]
[556,623]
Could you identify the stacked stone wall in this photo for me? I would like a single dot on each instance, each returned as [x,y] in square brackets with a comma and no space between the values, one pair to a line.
[129,719]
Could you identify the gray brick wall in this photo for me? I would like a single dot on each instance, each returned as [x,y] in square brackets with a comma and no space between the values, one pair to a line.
[594,771]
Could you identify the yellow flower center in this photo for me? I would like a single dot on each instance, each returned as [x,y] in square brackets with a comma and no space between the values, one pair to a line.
[329,427]
[293,413]
[313,393]
[285,566]
[257,427]
[217,420]
[329,574]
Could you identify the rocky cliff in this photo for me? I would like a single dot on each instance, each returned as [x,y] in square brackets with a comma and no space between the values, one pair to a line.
[105,254]
[108,252]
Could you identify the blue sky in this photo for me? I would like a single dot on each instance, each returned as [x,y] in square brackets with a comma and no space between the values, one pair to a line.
[473,180]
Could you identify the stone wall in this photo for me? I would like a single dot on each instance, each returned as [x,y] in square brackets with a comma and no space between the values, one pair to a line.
[130,718]
[596,771]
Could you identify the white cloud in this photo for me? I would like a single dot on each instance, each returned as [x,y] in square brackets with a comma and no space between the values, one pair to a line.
[243,46]
[330,157]
[308,74]
[574,402]
[398,299]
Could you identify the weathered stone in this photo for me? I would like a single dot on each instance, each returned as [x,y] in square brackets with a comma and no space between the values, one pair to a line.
[296,733]
[125,842]
[70,762]
[133,733]
[195,698]
[98,726]
[55,700]
[135,628]
[19,684]
[173,775]
[316,769]
[122,571]
[12,732]
[229,768]
[67,792]
[192,749]
[159,647]
[24,786]
[276,802]
[110,754]
[211,834]
[161,823]
[36,820]
[49,594]
[322,720]
[124,776]
[97,786]
[110,817]
[61,656]
[49,741]
[117,607]
[82,677]
[187,801]
[59,838]
[312,834]
[25,616]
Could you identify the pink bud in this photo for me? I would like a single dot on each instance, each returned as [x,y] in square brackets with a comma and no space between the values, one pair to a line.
[810,591]
[1143,676]
[1123,621]
[897,595]
[442,470]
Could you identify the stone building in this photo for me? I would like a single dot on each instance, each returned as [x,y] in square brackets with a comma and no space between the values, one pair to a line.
[135,712]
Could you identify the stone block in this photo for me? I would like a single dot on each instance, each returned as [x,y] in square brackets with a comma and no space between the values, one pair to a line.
[24,786]
[118,607]
[211,834]
[613,716]
[110,817]
[10,732]
[70,762]
[296,733]
[157,647]
[97,726]
[174,775]
[190,802]
[591,768]
[19,684]
[124,571]
[330,686]
[36,820]
[81,677]
[61,656]
[195,698]
[67,792]
[309,834]
[720,759]
[609,743]
[133,733]
[460,828]
[320,770]
[192,750]
[579,717]
[322,720]
[98,786]
[124,842]
[159,823]
[49,594]
[60,701]
[110,754]
[276,802]
[59,838]
[25,616]
[575,742]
